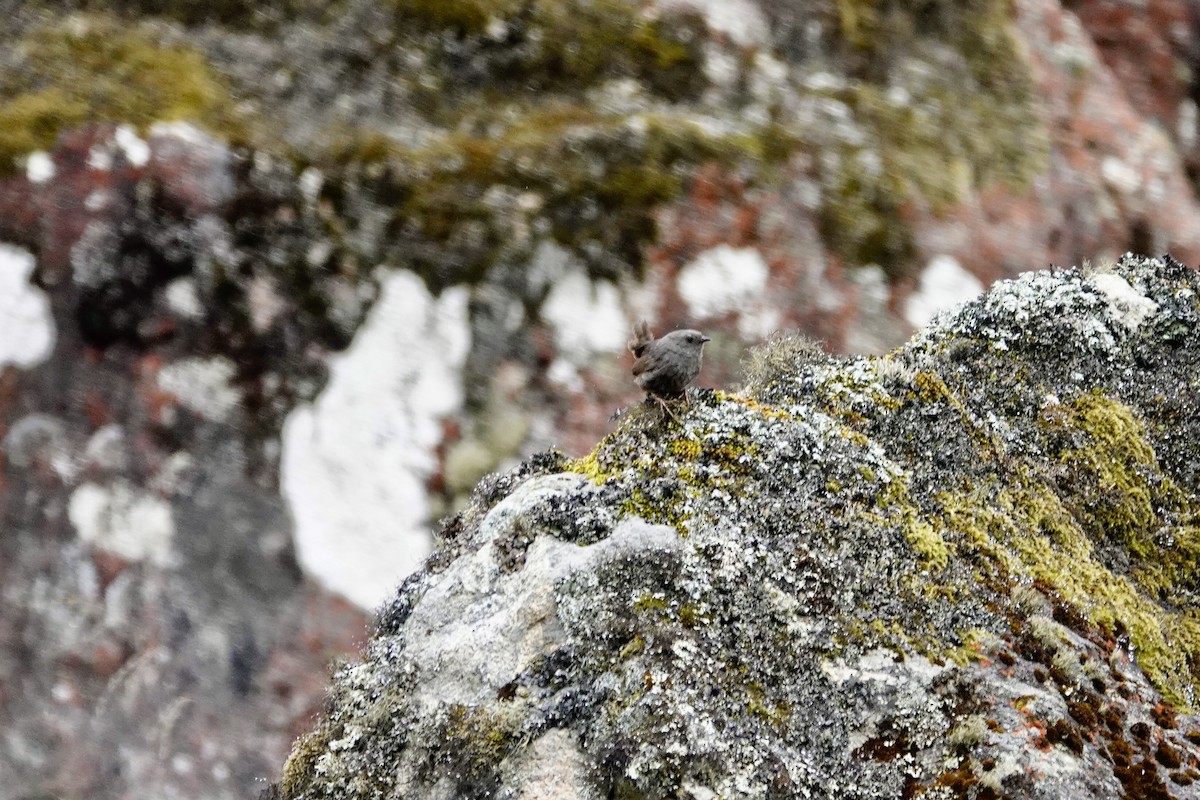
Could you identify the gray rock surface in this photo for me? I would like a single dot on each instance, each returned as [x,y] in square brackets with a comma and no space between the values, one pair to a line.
[964,569]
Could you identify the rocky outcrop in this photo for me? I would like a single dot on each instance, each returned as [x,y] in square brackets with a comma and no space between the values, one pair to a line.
[964,569]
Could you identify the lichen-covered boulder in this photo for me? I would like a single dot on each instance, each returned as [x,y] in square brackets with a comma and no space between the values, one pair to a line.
[964,569]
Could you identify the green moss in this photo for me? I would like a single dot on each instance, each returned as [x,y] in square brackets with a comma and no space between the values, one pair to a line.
[474,740]
[972,648]
[94,68]
[895,506]
[660,511]
[928,543]
[858,21]
[650,602]
[863,216]
[774,714]
[299,769]
[636,645]
[465,16]
[1111,475]
[567,45]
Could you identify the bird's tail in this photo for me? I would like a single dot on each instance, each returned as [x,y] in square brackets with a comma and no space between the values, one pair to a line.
[641,338]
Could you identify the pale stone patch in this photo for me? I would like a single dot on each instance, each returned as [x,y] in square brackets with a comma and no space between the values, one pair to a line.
[27,331]
[202,385]
[124,520]
[39,167]
[1130,306]
[136,151]
[183,299]
[723,280]
[943,284]
[587,315]
[355,462]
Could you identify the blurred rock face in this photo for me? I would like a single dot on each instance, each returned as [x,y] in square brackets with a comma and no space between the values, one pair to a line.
[281,285]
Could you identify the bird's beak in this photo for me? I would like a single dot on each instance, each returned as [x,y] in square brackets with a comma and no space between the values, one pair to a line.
[704,339]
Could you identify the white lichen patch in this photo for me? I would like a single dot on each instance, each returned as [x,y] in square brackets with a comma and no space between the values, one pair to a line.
[28,328]
[943,285]
[40,440]
[1130,307]
[481,626]
[587,316]
[1018,311]
[202,385]
[355,462]
[123,519]
[723,280]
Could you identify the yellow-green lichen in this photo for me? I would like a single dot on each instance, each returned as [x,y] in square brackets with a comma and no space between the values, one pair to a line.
[895,506]
[94,68]
[686,449]
[1030,532]
[692,464]
[589,466]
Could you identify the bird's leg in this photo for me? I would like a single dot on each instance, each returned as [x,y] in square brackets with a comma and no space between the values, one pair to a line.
[665,405]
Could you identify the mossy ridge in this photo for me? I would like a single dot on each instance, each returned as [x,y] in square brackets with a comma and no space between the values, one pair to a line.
[237,14]
[940,126]
[586,180]
[96,68]
[1118,489]
[536,46]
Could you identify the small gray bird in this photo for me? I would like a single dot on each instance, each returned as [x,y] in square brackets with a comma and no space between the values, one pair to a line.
[664,367]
